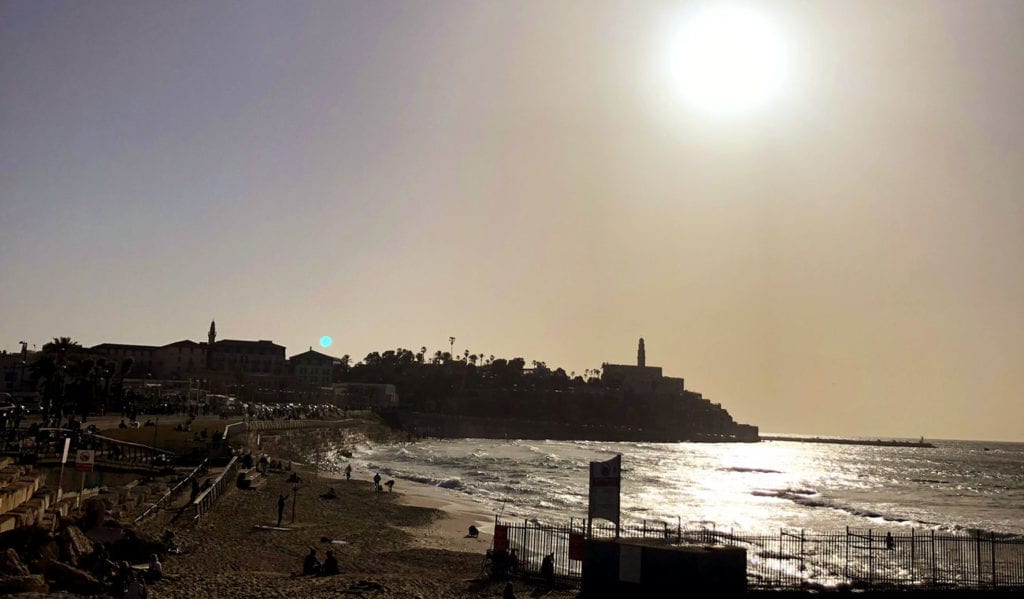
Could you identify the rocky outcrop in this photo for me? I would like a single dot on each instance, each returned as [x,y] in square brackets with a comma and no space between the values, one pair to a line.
[71,578]
[10,564]
[74,545]
[10,585]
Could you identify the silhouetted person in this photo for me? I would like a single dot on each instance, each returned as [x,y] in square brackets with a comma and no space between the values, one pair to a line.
[474,532]
[376,482]
[280,509]
[888,541]
[311,565]
[156,569]
[348,472]
[330,494]
[390,485]
[330,567]
[547,569]
[508,593]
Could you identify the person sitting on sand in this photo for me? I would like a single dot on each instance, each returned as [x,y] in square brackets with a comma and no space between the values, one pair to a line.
[474,532]
[330,567]
[330,494]
[135,589]
[311,565]
[547,569]
[122,425]
[156,569]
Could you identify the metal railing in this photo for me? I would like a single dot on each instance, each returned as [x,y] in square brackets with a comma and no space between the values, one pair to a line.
[275,425]
[205,500]
[805,560]
[173,493]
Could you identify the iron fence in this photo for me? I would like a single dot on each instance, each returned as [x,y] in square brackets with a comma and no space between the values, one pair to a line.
[788,559]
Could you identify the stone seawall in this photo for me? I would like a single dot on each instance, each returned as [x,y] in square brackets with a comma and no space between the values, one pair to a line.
[453,426]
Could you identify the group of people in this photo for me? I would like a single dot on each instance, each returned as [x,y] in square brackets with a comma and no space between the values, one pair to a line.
[311,566]
[380,488]
[125,581]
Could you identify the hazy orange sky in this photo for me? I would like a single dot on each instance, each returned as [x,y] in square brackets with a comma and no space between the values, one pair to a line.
[527,177]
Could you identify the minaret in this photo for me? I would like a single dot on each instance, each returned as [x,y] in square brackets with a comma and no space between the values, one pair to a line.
[641,358]
[213,333]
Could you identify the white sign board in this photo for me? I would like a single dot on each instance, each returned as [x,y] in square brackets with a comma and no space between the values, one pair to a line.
[605,482]
[85,460]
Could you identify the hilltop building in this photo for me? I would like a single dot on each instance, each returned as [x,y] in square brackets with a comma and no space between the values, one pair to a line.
[640,378]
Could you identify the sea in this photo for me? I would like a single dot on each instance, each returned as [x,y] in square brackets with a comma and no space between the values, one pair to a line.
[955,487]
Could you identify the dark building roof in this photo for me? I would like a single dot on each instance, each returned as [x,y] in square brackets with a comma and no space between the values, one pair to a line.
[123,346]
[313,356]
[262,343]
[184,343]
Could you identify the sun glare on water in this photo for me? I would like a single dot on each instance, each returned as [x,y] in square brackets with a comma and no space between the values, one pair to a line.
[728,59]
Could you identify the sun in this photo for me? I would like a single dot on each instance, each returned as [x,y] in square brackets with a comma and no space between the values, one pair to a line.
[729,59]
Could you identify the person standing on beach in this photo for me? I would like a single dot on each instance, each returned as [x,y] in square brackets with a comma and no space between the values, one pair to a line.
[348,472]
[376,482]
[280,509]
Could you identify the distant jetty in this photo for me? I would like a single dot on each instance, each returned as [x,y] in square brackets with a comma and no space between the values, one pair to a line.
[876,442]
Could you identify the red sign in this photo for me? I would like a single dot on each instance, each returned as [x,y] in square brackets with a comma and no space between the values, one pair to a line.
[85,459]
[500,537]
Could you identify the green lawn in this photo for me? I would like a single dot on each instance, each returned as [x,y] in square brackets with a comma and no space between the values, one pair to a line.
[166,437]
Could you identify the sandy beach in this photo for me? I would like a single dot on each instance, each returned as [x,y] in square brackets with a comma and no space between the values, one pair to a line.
[408,543]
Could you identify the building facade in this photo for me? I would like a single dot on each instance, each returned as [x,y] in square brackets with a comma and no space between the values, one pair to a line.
[312,368]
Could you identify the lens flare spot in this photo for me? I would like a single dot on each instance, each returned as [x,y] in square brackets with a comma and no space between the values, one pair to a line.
[326,341]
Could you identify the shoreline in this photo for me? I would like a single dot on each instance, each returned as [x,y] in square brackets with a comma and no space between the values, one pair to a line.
[447,532]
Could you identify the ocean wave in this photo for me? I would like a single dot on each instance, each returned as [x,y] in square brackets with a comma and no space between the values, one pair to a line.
[783,493]
[811,499]
[744,469]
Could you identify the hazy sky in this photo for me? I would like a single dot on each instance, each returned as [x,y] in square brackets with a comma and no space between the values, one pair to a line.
[527,177]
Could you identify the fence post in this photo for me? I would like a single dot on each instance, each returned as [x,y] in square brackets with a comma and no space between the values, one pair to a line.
[802,566]
[992,544]
[935,578]
[871,559]
[913,561]
[846,567]
[679,529]
[977,555]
